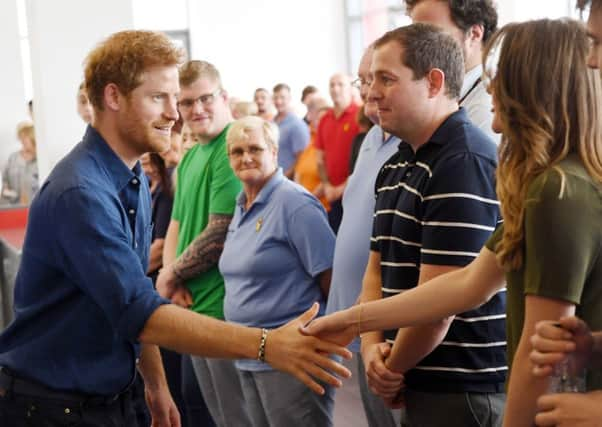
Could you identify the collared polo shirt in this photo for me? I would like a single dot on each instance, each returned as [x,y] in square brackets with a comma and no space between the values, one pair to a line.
[272,256]
[206,185]
[334,138]
[438,206]
[294,137]
[353,239]
[81,294]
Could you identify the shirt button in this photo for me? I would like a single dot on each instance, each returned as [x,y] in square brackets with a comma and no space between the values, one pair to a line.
[132,211]
[135,181]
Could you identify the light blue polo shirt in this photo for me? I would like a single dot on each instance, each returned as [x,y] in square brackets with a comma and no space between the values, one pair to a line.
[353,239]
[272,256]
[294,137]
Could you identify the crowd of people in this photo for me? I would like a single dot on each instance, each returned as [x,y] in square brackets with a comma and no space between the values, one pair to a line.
[443,212]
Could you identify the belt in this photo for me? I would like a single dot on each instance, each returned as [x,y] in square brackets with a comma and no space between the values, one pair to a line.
[13,385]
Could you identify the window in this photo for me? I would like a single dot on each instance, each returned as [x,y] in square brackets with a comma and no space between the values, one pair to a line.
[367,20]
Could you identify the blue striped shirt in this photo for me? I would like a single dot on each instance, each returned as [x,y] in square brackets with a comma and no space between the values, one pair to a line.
[438,206]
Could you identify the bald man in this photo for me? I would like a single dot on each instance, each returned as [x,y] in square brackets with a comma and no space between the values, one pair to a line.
[335,134]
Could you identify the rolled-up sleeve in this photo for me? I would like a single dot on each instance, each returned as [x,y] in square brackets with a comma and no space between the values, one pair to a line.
[95,251]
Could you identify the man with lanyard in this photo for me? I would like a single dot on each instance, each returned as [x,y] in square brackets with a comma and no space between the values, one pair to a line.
[470,23]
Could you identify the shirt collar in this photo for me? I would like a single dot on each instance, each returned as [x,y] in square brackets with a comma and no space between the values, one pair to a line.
[441,135]
[265,192]
[117,171]
[470,78]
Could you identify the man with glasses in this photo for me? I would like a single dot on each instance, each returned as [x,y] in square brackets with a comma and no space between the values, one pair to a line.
[352,248]
[203,207]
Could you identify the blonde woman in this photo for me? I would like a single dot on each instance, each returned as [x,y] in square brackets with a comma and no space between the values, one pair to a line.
[276,262]
[20,175]
[546,105]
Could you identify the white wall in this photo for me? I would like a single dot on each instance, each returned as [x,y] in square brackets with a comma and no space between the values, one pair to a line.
[259,42]
[61,33]
[12,102]
[265,42]
[522,10]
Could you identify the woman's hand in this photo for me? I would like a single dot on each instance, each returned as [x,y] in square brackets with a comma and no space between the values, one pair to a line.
[336,328]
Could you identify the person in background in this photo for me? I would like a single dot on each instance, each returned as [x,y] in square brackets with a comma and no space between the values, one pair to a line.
[173,154]
[294,133]
[308,93]
[204,202]
[365,124]
[306,168]
[352,245]
[471,23]
[242,109]
[263,99]
[84,108]
[287,243]
[333,142]
[20,175]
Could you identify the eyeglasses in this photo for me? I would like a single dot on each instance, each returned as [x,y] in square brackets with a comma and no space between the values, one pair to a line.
[253,150]
[206,100]
[359,82]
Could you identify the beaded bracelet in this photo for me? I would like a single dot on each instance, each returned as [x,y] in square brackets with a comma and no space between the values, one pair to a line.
[261,352]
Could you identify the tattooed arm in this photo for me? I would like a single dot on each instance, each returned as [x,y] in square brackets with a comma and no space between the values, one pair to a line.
[204,251]
[202,254]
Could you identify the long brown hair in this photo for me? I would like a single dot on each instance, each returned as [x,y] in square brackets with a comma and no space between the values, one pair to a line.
[548,104]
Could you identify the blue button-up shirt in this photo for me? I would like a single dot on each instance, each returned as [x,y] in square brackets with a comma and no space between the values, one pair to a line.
[81,295]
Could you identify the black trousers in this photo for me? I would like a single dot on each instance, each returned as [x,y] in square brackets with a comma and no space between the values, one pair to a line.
[24,411]
[335,215]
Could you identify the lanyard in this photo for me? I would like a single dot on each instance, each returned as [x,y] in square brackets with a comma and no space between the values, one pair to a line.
[469,91]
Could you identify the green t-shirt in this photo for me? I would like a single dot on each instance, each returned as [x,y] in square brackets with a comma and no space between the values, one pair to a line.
[206,185]
[563,235]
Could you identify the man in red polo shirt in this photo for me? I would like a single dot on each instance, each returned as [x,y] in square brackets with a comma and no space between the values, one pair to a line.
[335,133]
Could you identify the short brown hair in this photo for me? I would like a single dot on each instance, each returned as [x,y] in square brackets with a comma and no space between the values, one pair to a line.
[192,71]
[426,47]
[123,58]
[308,90]
[466,13]
[281,86]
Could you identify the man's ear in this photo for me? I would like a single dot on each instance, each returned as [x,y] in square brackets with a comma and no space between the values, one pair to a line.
[112,97]
[436,81]
[475,33]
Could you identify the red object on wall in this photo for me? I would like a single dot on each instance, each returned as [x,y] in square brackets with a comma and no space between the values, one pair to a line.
[13,222]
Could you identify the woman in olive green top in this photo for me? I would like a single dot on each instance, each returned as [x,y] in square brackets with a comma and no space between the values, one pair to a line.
[549,184]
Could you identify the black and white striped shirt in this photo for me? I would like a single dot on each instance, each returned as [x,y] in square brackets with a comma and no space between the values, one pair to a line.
[438,206]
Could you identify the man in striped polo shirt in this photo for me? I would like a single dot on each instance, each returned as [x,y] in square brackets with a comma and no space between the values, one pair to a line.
[435,208]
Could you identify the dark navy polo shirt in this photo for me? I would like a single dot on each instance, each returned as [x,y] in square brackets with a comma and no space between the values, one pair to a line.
[438,206]
[81,294]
